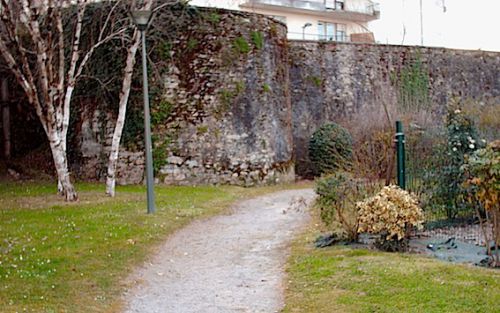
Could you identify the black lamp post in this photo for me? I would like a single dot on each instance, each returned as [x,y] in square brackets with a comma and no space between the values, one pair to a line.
[141,19]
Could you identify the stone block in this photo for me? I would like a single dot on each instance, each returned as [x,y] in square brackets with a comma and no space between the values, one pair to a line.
[175,160]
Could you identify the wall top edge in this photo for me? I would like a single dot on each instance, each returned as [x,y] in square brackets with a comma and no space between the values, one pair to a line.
[328,43]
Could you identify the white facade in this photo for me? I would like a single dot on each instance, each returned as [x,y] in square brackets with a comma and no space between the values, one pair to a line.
[335,20]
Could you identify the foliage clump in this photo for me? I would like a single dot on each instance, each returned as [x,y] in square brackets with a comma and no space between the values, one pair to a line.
[161,111]
[241,45]
[317,81]
[391,214]
[484,171]
[483,184]
[213,17]
[413,85]
[330,149]
[257,39]
[447,181]
[337,197]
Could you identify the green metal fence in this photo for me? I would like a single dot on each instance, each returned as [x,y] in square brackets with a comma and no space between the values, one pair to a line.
[423,159]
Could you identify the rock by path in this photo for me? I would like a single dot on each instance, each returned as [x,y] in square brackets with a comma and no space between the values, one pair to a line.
[230,263]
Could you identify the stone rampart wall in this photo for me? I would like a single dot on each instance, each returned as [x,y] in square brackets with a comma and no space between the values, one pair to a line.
[334,81]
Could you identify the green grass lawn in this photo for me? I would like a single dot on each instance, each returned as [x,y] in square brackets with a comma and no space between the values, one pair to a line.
[74,257]
[343,279]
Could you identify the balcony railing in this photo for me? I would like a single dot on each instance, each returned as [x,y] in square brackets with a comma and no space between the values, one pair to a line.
[355,37]
[367,7]
[318,37]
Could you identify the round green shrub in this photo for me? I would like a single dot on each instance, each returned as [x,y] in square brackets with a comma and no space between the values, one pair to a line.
[330,149]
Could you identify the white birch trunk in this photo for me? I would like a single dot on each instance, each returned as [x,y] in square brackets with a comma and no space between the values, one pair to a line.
[43,75]
[65,127]
[56,114]
[61,164]
[122,110]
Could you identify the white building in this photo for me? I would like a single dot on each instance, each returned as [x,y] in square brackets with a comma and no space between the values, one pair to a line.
[336,20]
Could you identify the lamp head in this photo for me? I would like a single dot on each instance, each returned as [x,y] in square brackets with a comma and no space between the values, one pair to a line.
[141,18]
[306,25]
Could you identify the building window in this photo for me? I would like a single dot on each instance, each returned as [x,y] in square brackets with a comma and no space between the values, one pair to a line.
[339,5]
[325,30]
[340,33]
[334,4]
[331,31]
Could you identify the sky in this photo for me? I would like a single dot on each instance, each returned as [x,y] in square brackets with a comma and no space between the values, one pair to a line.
[464,24]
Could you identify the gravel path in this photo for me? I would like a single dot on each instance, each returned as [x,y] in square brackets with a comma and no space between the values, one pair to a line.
[231,263]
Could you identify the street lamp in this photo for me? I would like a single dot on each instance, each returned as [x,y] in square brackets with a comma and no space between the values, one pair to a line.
[304,30]
[141,19]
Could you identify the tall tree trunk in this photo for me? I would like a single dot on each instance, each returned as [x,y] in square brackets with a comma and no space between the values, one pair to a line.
[6,119]
[65,127]
[61,165]
[122,110]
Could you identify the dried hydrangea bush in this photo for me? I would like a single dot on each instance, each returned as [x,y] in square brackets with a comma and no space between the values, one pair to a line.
[391,213]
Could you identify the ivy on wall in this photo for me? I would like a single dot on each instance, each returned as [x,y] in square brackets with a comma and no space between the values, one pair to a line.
[257,39]
[412,85]
[189,46]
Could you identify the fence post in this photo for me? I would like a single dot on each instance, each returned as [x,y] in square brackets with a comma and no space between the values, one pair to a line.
[400,155]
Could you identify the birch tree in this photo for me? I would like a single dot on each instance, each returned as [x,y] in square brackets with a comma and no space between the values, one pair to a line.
[46,58]
[122,111]
[123,99]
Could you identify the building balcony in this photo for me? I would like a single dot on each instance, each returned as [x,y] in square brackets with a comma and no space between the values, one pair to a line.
[357,11]
[366,37]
